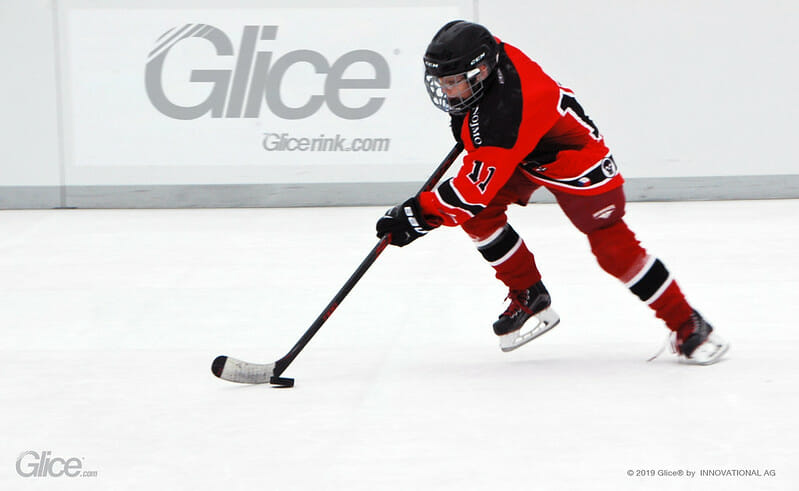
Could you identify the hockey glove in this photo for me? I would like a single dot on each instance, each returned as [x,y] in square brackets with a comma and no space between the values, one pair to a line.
[405,223]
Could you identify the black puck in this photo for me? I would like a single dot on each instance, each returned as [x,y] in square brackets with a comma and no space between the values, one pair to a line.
[282,381]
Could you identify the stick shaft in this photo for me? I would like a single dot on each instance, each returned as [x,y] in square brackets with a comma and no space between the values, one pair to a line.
[431,182]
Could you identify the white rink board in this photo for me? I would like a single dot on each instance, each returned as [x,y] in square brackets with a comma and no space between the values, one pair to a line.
[690,96]
[292,99]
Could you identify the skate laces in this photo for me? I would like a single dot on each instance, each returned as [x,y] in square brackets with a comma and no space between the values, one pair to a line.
[671,339]
[518,299]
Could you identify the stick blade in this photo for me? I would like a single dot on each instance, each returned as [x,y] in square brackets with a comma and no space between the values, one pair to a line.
[242,372]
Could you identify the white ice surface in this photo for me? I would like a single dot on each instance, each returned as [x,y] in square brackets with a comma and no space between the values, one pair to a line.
[109,320]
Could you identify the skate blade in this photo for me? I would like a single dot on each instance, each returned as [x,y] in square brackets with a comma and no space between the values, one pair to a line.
[708,352]
[546,320]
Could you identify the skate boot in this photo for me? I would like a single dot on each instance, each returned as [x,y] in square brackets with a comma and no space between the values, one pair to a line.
[701,346]
[534,303]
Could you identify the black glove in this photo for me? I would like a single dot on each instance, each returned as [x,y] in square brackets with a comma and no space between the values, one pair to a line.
[405,223]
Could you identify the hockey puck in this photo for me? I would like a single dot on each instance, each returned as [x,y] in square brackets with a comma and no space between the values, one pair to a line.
[282,381]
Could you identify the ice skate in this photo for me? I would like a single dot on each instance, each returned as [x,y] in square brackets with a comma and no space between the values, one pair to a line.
[533,305]
[702,346]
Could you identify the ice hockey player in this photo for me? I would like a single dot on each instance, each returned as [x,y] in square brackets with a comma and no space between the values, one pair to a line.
[521,130]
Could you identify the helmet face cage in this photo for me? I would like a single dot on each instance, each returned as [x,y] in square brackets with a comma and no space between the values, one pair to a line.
[456,93]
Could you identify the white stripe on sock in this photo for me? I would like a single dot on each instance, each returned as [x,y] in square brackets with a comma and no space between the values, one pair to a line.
[660,290]
[510,253]
[650,260]
[491,238]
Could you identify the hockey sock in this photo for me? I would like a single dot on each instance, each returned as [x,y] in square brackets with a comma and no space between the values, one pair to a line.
[655,286]
[506,252]
[620,254]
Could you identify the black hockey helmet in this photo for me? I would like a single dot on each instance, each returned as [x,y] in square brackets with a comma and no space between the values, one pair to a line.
[458,63]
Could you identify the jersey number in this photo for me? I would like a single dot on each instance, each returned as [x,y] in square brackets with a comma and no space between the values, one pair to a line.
[568,103]
[475,175]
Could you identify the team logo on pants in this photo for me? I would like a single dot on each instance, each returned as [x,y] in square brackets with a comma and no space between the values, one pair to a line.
[605,212]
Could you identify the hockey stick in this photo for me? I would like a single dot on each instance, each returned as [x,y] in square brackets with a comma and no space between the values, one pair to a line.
[234,370]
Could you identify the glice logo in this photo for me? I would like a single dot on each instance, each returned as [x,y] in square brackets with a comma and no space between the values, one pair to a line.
[33,464]
[246,86]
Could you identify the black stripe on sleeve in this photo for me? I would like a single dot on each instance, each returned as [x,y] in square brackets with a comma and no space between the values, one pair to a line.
[450,197]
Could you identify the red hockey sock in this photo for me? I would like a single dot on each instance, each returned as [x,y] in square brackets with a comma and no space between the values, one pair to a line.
[621,255]
[514,264]
[672,308]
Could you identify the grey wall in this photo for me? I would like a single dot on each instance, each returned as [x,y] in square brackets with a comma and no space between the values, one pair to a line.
[30,160]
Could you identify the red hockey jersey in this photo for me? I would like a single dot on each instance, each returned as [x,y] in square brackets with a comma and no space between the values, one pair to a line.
[525,119]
